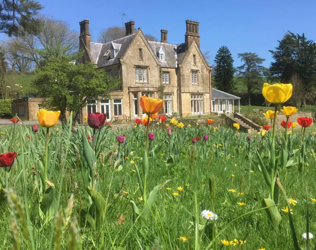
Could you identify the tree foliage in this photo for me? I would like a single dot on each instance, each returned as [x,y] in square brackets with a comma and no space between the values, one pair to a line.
[3,70]
[295,58]
[251,72]
[224,73]
[68,85]
[19,17]
[29,51]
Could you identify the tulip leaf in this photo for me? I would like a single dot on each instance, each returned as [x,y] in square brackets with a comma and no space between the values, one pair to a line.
[264,170]
[135,208]
[146,163]
[272,211]
[150,202]
[88,155]
[100,205]
[49,204]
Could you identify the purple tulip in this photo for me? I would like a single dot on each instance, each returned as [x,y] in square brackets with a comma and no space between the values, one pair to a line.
[169,131]
[121,139]
[34,128]
[151,136]
[96,120]
[205,137]
[194,140]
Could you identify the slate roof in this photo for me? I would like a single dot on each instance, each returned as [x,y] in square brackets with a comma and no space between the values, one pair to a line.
[100,52]
[218,94]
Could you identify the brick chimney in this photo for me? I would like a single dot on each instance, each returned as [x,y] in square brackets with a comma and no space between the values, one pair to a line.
[84,38]
[130,28]
[192,34]
[164,36]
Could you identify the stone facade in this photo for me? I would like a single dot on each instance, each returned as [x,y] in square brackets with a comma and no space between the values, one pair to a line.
[144,67]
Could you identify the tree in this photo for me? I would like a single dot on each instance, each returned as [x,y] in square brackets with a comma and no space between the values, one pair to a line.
[224,74]
[3,70]
[67,85]
[53,40]
[19,17]
[295,58]
[251,72]
[113,33]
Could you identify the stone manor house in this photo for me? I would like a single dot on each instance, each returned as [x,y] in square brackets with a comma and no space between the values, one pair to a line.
[143,66]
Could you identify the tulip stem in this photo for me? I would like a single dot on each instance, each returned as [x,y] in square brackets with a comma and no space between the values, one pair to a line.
[46,154]
[147,134]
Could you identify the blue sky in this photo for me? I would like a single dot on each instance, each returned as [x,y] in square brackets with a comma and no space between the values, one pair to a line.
[241,25]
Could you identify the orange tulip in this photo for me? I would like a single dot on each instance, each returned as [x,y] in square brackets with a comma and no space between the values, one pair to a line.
[210,121]
[153,116]
[151,105]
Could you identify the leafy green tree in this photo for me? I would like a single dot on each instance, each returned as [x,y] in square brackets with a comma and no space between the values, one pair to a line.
[224,70]
[295,57]
[19,17]
[3,70]
[67,85]
[251,72]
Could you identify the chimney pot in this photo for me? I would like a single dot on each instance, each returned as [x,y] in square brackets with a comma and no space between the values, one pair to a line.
[164,36]
[129,28]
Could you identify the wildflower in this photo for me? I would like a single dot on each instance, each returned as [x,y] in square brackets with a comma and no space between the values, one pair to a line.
[283,124]
[277,93]
[266,128]
[288,111]
[314,200]
[310,236]
[304,121]
[132,162]
[15,120]
[294,124]
[151,136]
[48,118]
[121,138]
[286,210]
[168,188]
[209,121]
[183,238]
[262,249]
[270,114]
[241,204]
[225,242]
[236,125]
[175,194]
[180,125]
[207,214]
[140,199]
[232,190]
[151,105]
[292,201]
[240,193]
[34,128]
[205,137]
[233,175]
[7,159]
[180,189]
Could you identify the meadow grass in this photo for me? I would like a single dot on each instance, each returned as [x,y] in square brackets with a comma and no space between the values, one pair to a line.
[221,174]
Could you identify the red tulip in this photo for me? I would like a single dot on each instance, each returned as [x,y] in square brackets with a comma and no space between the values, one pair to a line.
[96,120]
[6,160]
[15,120]
[304,121]
[283,124]
[138,121]
[267,127]
[162,118]
[198,138]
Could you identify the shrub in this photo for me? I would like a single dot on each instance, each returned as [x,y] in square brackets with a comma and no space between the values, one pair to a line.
[5,108]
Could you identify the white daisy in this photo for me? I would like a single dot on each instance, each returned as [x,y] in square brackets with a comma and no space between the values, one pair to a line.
[304,235]
[207,214]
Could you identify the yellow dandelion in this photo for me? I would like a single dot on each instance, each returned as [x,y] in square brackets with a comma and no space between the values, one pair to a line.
[241,204]
[168,188]
[232,190]
[125,192]
[313,199]
[235,165]
[183,238]
[134,170]
[175,194]
[225,242]
[240,193]
[286,210]
[292,201]
[140,199]
[251,171]
[233,175]
[262,249]
[203,185]
[132,162]
[180,189]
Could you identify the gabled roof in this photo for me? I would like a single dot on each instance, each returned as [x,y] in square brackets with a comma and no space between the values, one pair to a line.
[218,94]
[170,51]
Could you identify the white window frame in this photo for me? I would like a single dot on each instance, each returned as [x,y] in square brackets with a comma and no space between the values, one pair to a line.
[135,104]
[106,103]
[213,105]
[141,74]
[219,106]
[194,77]
[167,104]
[116,104]
[197,104]
[91,103]
[227,106]
[166,77]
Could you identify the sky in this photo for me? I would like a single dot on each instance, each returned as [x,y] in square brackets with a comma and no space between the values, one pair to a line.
[241,25]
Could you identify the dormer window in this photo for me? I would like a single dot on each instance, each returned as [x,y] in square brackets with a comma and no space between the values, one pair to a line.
[114,50]
[161,54]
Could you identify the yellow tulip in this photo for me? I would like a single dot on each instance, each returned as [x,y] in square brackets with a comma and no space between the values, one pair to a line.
[48,118]
[180,125]
[174,122]
[236,125]
[288,111]
[294,124]
[270,114]
[263,132]
[277,93]
[151,105]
